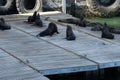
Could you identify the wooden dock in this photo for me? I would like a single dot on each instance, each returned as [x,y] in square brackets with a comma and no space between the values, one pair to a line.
[55,55]
[13,69]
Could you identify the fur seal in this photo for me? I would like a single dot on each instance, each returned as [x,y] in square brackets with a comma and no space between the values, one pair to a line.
[114,30]
[106,33]
[81,22]
[96,28]
[32,18]
[52,28]
[4,25]
[69,33]
[2,20]
[38,21]
[69,20]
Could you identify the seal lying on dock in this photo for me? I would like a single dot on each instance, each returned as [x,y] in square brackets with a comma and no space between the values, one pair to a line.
[52,28]
[106,33]
[80,22]
[98,27]
[114,30]
[70,21]
[4,25]
[95,26]
[69,33]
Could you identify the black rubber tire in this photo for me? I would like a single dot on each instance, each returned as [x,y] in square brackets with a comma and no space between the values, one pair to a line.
[103,11]
[22,6]
[5,7]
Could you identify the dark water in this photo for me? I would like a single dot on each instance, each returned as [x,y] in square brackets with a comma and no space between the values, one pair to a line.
[105,74]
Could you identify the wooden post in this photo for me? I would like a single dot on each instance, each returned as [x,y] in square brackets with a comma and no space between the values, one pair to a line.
[64,6]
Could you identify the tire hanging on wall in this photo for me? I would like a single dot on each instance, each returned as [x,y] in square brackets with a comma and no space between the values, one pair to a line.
[28,6]
[6,6]
[103,11]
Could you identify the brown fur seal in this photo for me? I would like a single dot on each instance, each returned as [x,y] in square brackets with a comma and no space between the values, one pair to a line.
[38,21]
[114,30]
[52,28]
[81,22]
[70,20]
[69,33]
[4,25]
[106,33]
[32,18]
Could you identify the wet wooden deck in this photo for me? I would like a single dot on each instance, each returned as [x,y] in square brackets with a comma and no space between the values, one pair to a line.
[56,55]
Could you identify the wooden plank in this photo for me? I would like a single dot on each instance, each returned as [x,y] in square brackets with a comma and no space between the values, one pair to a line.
[12,69]
[90,47]
[88,44]
[105,60]
[87,52]
[36,53]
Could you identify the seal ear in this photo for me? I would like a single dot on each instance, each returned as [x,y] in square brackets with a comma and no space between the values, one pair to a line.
[35,13]
[38,15]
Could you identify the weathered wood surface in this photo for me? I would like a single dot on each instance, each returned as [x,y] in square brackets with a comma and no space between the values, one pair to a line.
[102,52]
[13,69]
[55,55]
[86,43]
[111,56]
[86,30]
[40,54]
